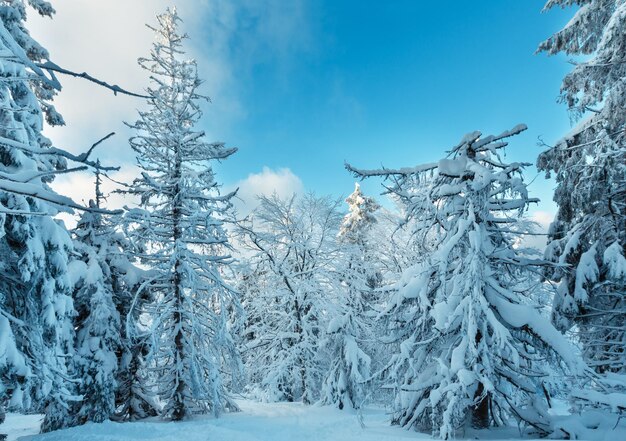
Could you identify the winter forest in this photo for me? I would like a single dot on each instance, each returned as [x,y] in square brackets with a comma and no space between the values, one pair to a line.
[433,307]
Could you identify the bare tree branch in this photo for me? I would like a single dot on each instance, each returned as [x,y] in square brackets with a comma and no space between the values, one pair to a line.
[53,67]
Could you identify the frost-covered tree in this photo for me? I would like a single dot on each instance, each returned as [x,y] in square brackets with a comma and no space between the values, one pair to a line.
[133,397]
[293,251]
[180,228]
[472,345]
[97,323]
[588,235]
[34,284]
[360,218]
[355,234]
[351,330]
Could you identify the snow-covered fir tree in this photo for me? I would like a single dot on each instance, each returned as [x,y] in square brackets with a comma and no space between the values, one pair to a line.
[360,217]
[472,346]
[351,330]
[180,225]
[588,235]
[134,397]
[35,291]
[293,247]
[108,361]
[97,324]
[355,233]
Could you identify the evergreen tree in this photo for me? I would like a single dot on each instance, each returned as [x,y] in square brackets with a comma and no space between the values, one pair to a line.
[350,364]
[110,358]
[472,345]
[34,285]
[293,251]
[97,323]
[180,223]
[588,235]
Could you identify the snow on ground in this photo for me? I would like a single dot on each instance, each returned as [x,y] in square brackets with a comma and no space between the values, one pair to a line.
[256,422]
[17,425]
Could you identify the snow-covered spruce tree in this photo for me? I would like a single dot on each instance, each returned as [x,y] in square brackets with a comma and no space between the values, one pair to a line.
[134,398]
[109,358]
[472,344]
[345,382]
[588,235]
[180,224]
[294,249]
[355,233]
[97,323]
[34,286]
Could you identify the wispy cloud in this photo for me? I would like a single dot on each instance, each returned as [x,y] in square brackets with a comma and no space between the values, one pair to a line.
[228,39]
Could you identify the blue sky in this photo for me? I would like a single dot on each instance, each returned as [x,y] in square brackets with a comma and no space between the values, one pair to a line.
[305,85]
[397,83]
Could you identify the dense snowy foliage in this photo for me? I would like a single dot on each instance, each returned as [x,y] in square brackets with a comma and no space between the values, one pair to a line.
[104,280]
[179,227]
[35,291]
[97,322]
[589,164]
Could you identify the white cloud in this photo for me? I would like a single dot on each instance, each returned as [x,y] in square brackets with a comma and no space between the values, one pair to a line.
[283,182]
[105,39]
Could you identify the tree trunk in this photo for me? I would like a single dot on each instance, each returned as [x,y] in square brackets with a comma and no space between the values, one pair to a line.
[179,410]
[480,411]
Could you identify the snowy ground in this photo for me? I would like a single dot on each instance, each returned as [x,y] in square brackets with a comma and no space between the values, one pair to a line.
[256,422]
[17,425]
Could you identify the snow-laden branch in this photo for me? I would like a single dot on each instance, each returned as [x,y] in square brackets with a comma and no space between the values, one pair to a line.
[405,171]
[36,191]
